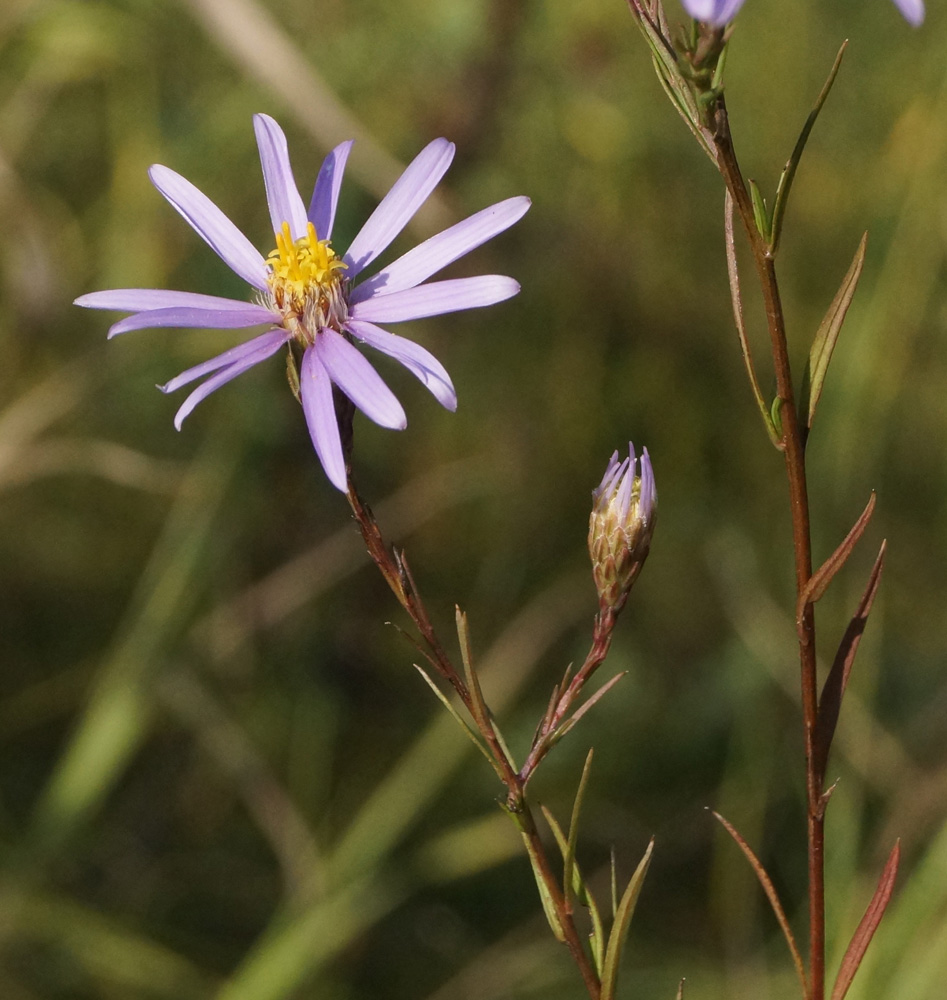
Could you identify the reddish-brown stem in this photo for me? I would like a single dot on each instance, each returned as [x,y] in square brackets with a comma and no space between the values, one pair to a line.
[396,573]
[794,452]
[601,643]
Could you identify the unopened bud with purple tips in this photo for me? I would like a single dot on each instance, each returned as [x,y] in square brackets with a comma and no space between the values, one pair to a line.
[624,508]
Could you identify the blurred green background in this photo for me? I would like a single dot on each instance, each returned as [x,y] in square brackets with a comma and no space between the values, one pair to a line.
[220,776]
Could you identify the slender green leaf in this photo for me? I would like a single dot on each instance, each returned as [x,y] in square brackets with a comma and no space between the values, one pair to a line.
[827,335]
[549,904]
[716,83]
[586,706]
[455,715]
[789,171]
[830,702]
[478,705]
[733,274]
[619,932]
[775,414]
[760,211]
[614,882]
[582,893]
[672,79]
[569,858]
[773,898]
[823,576]
[869,924]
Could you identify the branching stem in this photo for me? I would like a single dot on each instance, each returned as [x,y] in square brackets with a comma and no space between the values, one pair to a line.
[394,569]
[793,445]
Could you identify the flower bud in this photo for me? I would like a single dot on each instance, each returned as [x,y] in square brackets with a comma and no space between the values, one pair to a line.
[624,508]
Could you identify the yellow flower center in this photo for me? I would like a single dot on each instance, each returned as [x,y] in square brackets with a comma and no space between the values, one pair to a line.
[305,281]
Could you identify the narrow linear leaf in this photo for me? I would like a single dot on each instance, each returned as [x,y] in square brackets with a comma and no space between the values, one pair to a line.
[549,905]
[445,701]
[690,115]
[789,171]
[717,82]
[614,881]
[655,30]
[478,706]
[760,212]
[776,415]
[830,702]
[733,274]
[820,354]
[820,580]
[569,858]
[585,707]
[582,893]
[619,932]
[869,924]
[773,898]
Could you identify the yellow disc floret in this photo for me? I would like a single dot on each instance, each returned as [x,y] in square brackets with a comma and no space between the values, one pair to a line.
[306,282]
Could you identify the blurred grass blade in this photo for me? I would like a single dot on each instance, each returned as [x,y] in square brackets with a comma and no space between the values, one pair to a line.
[826,336]
[120,706]
[121,960]
[773,898]
[823,576]
[789,171]
[582,893]
[869,924]
[253,36]
[455,715]
[736,298]
[619,932]
[295,946]
[830,701]
[680,990]
[569,856]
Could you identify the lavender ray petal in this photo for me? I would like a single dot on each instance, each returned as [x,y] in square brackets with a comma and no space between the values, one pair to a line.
[222,377]
[406,196]
[315,391]
[648,493]
[415,358]
[719,12]
[207,220]
[325,195]
[143,299]
[265,345]
[436,298]
[429,257]
[213,319]
[354,375]
[282,195]
[913,10]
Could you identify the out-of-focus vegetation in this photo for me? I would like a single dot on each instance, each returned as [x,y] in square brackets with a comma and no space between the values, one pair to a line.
[220,776]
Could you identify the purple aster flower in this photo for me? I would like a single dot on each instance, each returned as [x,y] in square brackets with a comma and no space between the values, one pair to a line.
[624,509]
[311,298]
[721,12]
